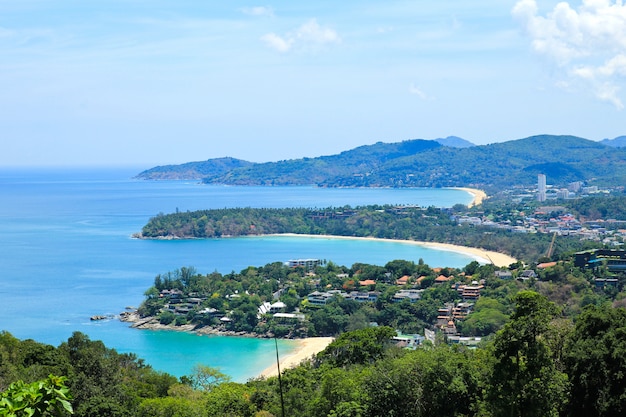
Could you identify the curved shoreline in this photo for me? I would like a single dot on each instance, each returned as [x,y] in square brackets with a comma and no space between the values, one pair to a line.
[491,257]
[306,349]
[478,196]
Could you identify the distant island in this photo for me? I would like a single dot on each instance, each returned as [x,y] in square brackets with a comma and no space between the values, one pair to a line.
[449,162]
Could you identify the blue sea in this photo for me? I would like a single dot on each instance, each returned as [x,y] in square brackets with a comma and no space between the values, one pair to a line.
[66,253]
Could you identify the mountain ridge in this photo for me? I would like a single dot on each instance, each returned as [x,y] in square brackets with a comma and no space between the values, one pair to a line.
[618,142]
[428,163]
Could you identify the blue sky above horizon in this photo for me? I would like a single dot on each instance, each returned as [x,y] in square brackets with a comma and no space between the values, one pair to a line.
[156,82]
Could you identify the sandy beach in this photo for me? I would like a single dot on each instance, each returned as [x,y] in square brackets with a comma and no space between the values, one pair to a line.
[496,258]
[481,255]
[306,349]
[478,195]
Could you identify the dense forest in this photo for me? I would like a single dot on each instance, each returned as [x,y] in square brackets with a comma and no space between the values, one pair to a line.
[539,364]
[389,222]
[426,163]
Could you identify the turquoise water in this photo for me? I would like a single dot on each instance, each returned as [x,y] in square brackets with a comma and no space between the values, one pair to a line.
[66,254]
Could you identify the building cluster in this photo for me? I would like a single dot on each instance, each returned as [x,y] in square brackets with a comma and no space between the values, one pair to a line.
[573,189]
[451,313]
[555,220]
[448,315]
[544,192]
[552,217]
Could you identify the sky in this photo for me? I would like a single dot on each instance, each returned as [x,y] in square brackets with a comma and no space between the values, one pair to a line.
[145,83]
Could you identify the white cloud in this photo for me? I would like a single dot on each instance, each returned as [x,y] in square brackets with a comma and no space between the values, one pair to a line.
[310,34]
[258,11]
[311,31]
[587,43]
[276,42]
[413,89]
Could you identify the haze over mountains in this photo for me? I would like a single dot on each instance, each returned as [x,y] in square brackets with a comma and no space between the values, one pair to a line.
[447,162]
[618,142]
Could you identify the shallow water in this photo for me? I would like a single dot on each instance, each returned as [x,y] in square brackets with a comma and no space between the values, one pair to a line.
[66,254]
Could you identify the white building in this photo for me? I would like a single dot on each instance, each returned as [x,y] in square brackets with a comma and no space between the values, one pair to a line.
[541,187]
[563,194]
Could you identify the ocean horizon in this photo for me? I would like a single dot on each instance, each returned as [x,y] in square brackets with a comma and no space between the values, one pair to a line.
[67,254]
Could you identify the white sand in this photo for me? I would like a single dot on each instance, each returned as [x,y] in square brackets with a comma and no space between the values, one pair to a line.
[481,255]
[306,349]
[478,195]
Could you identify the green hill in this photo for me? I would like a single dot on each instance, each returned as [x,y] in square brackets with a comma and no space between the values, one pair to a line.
[618,142]
[193,170]
[426,163]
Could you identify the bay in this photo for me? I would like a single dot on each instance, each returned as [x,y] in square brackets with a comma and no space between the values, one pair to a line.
[66,253]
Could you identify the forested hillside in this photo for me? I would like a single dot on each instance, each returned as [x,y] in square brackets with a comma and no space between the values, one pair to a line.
[426,163]
[193,170]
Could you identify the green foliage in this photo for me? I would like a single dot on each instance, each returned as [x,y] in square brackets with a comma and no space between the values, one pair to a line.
[205,378]
[525,380]
[230,400]
[171,407]
[166,317]
[539,364]
[357,347]
[489,315]
[104,382]
[37,398]
[600,207]
[596,363]
[442,381]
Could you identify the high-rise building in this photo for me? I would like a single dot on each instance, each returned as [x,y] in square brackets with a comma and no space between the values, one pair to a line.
[541,187]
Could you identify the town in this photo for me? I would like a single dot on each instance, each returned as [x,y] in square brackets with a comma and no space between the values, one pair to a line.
[546,209]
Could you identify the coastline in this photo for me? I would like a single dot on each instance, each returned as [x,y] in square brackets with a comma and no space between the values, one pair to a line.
[306,349]
[478,195]
[491,257]
[152,323]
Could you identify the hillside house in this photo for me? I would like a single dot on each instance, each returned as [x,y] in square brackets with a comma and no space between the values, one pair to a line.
[470,293]
[321,298]
[363,297]
[411,295]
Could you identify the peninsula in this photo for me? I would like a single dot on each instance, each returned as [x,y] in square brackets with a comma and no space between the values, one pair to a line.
[429,225]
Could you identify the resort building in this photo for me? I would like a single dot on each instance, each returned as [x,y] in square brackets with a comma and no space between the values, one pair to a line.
[411,295]
[363,297]
[470,293]
[306,263]
[321,298]
[615,260]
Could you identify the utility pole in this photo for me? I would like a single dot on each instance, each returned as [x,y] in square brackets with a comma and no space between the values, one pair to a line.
[280,381]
